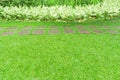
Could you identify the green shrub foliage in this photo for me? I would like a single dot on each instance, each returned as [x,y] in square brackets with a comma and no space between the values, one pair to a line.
[104,10]
[47,2]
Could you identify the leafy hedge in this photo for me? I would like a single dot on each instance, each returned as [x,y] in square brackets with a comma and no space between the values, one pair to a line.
[105,10]
[47,2]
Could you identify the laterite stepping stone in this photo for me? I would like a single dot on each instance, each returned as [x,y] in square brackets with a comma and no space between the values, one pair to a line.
[38,32]
[84,32]
[8,33]
[26,28]
[68,31]
[113,32]
[40,27]
[80,27]
[54,31]
[106,27]
[24,32]
[53,27]
[118,27]
[11,28]
[67,27]
[1,28]
[98,31]
[93,27]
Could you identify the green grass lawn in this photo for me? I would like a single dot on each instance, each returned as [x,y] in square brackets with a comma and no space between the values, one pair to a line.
[60,57]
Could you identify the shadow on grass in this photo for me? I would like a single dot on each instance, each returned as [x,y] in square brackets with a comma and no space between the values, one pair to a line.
[112,22]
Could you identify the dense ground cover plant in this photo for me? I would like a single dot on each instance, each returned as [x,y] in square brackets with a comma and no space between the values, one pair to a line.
[47,2]
[104,10]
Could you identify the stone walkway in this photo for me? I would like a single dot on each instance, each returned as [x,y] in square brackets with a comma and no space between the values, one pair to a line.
[40,30]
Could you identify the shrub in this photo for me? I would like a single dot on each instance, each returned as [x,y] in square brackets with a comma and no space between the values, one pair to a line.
[105,10]
[47,2]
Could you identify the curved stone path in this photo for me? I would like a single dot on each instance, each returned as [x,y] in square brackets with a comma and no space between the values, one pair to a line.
[40,30]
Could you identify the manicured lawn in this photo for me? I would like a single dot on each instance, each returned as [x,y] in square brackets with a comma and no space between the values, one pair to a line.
[62,56]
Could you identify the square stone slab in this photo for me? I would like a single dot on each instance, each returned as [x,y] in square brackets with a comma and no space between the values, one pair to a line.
[8,33]
[1,28]
[53,27]
[26,28]
[40,27]
[113,31]
[105,27]
[98,31]
[93,27]
[68,31]
[118,28]
[68,27]
[11,28]
[24,32]
[80,27]
[84,32]
[54,31]
[38,32]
